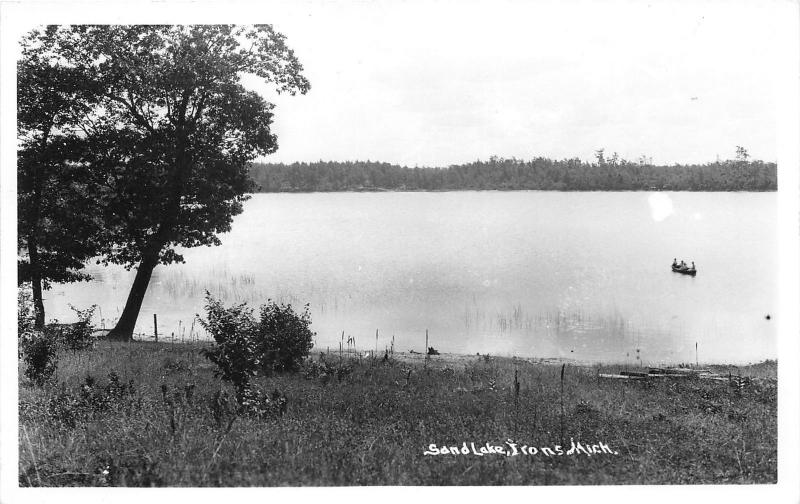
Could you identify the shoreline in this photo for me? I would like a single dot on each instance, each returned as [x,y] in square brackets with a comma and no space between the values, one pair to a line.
[445,360]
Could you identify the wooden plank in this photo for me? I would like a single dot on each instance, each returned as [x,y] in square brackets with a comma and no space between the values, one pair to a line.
[619,376]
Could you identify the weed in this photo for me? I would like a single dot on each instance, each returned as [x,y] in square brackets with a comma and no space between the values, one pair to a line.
[175,365]
[40,353]
[223,408]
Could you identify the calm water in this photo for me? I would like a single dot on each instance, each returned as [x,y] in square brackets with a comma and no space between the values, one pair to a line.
[580,275]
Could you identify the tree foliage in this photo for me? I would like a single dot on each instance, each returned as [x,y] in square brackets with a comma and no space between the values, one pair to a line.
[59,221]
[177,128]
[172,132]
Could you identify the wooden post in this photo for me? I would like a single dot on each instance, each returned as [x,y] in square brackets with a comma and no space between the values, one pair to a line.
[562,403]
[376,342]
[155,326]
[426,342]
[696,360]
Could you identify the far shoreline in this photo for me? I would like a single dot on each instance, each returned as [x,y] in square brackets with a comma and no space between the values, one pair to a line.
[383,190]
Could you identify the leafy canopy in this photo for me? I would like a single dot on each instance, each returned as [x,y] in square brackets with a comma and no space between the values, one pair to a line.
[174,129]
[58,216]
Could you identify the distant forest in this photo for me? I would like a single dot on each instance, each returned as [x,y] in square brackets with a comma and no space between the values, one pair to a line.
[613,174]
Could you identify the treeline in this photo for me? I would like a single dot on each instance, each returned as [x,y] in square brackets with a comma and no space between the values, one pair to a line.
[514,174]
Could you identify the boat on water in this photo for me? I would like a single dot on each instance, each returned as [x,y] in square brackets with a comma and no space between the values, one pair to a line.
[684,271]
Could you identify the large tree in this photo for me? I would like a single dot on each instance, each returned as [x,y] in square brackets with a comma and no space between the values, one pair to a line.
[174,133]
[58,219]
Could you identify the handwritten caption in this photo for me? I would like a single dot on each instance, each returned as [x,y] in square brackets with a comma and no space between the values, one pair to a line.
[511,449]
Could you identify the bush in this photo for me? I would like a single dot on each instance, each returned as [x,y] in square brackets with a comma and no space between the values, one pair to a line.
[68,408]
[25,314]
[38,349]
[234,353]
[278,341]
[40,352]
[78,335]
[283,337]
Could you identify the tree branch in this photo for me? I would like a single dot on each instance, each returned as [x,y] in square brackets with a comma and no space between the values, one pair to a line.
[136,115]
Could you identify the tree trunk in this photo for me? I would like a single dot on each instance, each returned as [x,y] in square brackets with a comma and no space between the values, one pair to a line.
[38,304]
[123,331]
[36,284]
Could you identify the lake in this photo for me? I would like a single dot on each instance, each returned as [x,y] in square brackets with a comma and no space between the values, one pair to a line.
[583,275]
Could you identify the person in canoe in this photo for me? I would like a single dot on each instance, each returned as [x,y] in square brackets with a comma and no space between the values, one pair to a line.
[692,268]
[675,262]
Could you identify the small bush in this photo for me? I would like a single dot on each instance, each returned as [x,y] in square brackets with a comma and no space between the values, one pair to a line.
[69,408]
[283,337]
[222,408]
[77,336]
[325,371]
[25,314]
[40,353]
[235,351]
[258,404]
[39,348]
[175,365]
[278,341]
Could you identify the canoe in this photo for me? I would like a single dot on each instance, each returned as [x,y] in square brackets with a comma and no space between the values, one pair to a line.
[689,271]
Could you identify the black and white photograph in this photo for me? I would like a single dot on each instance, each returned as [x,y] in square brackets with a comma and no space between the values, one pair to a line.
[538,244]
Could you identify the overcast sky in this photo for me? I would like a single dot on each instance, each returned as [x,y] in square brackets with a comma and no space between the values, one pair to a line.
[438,83]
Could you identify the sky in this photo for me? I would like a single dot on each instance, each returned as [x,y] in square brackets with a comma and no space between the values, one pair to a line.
[440,83]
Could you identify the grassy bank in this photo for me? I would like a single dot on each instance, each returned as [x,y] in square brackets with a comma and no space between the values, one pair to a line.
[167,421]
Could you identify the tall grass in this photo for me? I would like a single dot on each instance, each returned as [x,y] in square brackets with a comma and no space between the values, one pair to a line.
[371,424]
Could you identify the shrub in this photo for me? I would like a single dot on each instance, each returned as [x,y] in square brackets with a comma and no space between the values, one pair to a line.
[222,409]
[38,349]
[234,353]
[278,341]
[78,335]
[40,352]
[68,408]
[256,403]
[283,337]
[325,371]
[25,313]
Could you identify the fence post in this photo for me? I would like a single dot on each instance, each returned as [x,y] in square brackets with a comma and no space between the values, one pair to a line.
[155,326]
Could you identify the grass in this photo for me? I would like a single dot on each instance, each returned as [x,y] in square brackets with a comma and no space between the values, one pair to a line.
[167,422]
